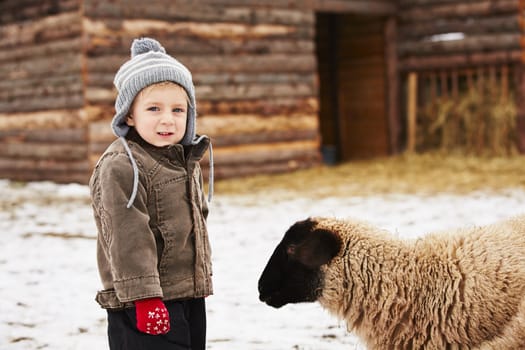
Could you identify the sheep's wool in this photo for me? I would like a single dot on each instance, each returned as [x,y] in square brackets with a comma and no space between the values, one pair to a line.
[464,289]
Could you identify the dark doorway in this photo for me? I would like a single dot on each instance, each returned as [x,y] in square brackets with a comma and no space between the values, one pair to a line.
[352,86]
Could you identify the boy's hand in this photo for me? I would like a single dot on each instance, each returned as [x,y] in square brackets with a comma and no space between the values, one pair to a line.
[152,316]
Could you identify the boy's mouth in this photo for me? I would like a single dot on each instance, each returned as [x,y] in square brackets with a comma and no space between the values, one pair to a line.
[164,133]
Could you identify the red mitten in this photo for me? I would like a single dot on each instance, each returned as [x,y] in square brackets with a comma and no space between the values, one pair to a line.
[152,316]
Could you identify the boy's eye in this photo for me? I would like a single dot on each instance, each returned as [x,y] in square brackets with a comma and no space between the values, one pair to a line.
[178,110]
[153,109]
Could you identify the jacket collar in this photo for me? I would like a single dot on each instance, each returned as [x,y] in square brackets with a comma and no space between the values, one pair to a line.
[193,152]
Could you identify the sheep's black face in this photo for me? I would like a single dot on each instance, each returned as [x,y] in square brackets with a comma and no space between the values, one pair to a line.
[293,273]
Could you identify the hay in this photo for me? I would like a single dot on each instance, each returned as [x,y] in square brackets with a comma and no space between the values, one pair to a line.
[479,122]
[429,173]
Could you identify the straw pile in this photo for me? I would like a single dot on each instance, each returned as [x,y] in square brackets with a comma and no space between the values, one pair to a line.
[428,173]
[479,122]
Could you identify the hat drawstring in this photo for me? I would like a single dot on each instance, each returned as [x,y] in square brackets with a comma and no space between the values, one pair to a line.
[135,172]
[211,174]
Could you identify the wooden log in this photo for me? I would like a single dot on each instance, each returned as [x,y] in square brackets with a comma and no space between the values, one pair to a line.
[42,67]
[45,169]
[368,7]
[41,50]
[478,43]
[201,30]
[24,105]
[507,23]
[225,172]
[61,26]
[22,10]
[119,45]
[36,165]
[27,150]
[266,153]
[208,11]
[276,63]
[253,124]
[254,91]
[42,88]
[48,136]
[50,119]
[459,60]
[278,105]
[466,9]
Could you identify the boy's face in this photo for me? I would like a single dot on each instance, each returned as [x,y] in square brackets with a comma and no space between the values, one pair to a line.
[159,114]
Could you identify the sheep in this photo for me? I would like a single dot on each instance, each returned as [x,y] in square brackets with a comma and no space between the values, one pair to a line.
[462,289]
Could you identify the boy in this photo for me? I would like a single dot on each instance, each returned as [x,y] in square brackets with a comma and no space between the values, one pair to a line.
[153,251]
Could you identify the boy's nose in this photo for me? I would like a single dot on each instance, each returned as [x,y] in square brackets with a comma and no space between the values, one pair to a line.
[167,118]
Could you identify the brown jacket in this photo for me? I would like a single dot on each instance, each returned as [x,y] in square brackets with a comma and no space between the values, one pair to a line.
[159,247]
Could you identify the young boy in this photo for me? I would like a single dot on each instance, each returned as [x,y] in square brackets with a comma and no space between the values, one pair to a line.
[153,251]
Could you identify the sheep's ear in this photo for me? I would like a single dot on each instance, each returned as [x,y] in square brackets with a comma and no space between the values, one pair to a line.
[318,248]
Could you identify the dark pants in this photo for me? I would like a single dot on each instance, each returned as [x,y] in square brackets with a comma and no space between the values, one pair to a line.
[188,328]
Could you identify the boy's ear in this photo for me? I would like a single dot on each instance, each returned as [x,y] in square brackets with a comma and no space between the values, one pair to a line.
[130,121]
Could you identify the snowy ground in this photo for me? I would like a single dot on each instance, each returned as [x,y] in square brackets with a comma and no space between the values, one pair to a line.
[48,276]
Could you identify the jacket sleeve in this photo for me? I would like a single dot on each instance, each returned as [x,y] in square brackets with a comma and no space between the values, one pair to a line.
[129,243]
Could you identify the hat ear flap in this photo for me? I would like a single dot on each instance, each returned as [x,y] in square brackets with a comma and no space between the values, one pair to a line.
[318,247]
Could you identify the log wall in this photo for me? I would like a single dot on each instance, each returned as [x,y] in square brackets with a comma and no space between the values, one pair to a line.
[253,67]
[42,122]
[492,41]
[491,32]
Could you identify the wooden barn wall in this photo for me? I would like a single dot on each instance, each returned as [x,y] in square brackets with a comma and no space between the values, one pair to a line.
[492,46]
[42,126]
[253,67]
[491,28]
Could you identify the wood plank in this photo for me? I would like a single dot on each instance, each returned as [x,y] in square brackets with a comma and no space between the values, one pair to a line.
[50,119]
[60,26]
[392,84]
[276,63]
[195,29]
[39,50]
[265,153]
[12,11]
[506,23]
[466,9]
[412,112]
[460,60]
[208,11]
[363,7]
[49,136]
[34,150]
[477,43]
[43,67]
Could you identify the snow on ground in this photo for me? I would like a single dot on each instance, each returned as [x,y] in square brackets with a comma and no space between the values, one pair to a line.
[48,276]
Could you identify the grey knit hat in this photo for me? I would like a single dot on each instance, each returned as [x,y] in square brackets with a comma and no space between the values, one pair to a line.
[149,64]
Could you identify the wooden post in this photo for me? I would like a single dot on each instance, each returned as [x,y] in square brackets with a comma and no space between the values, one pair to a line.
[520,122]
[455,84]
[392,83]
[504,83]
[412,112]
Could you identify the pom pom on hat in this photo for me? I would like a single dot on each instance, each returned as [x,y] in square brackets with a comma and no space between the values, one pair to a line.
[143,45]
